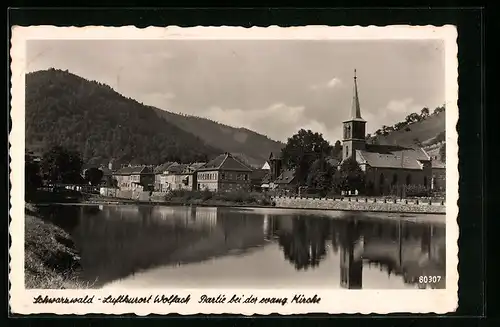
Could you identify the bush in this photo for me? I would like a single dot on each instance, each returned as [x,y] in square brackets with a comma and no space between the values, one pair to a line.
[239,196]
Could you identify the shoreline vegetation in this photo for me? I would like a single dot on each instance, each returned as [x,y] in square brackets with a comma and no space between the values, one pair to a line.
[50,259]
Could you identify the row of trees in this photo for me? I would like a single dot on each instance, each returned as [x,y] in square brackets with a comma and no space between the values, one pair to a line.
[410,119]
[314,161]
[58,166]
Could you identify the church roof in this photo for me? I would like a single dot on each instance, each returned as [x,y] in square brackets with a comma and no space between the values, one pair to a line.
[225,162]
[355,109]
[438,164]
[392,156]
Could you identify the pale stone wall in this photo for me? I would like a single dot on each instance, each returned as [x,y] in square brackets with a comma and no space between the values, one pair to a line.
[362,204]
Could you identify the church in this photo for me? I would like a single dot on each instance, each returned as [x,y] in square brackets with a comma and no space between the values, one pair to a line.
[386,167]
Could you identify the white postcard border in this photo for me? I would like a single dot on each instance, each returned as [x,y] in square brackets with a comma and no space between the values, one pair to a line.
[332,301]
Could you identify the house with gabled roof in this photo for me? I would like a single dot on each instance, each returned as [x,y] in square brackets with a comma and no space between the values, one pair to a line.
[135,178]
[159,171]
[386,166]
[224,173]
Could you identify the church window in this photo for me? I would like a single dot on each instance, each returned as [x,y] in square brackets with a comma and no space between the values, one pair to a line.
[408,179]
[381,179]
[347,151]
[348,131]
[425,181]
[394,179]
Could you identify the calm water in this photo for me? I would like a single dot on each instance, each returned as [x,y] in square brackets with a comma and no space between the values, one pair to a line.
[157,246]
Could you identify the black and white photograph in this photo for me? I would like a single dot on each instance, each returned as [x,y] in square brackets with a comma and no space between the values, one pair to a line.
[242,162]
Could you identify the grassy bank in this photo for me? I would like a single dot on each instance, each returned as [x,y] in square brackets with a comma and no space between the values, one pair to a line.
[50,260]
[218,198]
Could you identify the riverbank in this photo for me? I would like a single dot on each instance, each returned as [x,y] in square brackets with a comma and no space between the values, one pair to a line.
[344,204]
[362,204]
[50,260]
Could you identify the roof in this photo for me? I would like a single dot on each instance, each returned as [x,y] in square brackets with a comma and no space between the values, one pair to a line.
[258,174]
[355,109]
[135,170]
[266,179]
[392,156]
[176,168]
[266,166]
[225,162]
[161,168]
[286,177]
[275,155]
[105,171]
[438,164]
[195,166]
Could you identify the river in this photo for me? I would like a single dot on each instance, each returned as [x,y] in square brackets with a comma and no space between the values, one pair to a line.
[146,246]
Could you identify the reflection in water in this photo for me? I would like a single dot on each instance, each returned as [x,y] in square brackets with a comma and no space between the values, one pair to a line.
[117,242]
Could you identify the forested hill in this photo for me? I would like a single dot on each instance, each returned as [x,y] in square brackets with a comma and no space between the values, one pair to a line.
[421,129]
[252,147]
[90,117]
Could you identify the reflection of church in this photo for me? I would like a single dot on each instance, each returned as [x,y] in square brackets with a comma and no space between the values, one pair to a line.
[351,264]
[408,252]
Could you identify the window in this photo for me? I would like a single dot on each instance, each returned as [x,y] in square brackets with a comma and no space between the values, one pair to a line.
[425,181]
[381,179]
[246,177]
[222,176]
[394,179]
[346,151]
[408,179]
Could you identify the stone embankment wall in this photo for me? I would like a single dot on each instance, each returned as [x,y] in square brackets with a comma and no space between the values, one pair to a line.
[125,194]
[362,204]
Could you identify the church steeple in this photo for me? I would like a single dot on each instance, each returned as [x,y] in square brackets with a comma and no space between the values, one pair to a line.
[355,110]
[354,128]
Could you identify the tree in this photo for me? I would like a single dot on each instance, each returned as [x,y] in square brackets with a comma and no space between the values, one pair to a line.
[93,176]
[320,176]
[439,109]
[32,179]
[60,165]
[350,176]
[413,118]
[442,152]
[337,149]
[110,181]
[424,112]
[302,149]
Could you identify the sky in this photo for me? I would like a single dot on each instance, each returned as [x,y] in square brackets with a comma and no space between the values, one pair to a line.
[274,87]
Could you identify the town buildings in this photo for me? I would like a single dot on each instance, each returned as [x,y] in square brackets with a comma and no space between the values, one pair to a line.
[135,178]
[224,173]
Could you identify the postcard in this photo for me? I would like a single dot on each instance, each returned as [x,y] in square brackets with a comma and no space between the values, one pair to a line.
[217,170]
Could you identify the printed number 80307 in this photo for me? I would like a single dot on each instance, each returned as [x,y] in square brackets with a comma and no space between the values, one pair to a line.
[429,279]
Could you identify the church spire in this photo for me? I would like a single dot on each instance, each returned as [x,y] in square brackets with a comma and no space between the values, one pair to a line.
[355,110]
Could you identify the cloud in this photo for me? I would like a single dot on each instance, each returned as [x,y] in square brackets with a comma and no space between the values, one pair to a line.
[333,83]
[278,121]
[399,106]
[395,111]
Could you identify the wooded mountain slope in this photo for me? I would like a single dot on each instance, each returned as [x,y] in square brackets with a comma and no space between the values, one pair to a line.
[252,147]
[428,131]
[90,117]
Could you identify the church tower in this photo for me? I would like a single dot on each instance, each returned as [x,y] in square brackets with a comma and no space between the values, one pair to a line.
[354,128]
